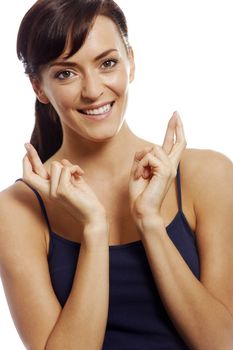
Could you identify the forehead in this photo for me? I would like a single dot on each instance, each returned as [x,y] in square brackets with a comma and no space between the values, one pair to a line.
[104,29]
[103,35]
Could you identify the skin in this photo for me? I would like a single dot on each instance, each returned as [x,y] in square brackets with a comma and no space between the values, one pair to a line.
[77,179]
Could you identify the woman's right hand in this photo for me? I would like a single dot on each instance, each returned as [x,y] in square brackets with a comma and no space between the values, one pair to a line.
[65,185]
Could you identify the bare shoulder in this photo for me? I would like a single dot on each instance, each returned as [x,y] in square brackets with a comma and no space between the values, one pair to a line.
[24,266]
[206,169]
[202,160]
[21,221]
[208,175]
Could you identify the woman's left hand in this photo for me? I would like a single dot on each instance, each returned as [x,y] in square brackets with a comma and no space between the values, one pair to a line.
[152,173]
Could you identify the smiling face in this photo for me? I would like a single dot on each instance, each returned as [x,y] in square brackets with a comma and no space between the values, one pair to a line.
[89,90]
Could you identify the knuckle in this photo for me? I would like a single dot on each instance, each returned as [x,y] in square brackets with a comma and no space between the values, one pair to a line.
[149,157]
[65,162]
[138,156]
[66,169]
[57,194]
[61,192]
[55,164]
[52,194]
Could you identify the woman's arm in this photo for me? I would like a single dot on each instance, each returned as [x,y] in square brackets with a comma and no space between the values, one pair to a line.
[82,322]
[202,311]
[38,316]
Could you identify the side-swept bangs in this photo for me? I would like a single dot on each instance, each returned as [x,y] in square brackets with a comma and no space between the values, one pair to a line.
[45,30]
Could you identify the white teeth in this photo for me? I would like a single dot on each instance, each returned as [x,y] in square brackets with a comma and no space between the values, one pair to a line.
[101,110]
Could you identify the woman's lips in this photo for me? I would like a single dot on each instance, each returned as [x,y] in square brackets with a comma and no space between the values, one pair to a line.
[97,113]
[103,108]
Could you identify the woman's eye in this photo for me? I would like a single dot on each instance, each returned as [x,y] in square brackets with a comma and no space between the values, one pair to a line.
[64,75]
[109,63]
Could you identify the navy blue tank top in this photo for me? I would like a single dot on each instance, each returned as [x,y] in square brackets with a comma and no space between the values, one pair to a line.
[137,319]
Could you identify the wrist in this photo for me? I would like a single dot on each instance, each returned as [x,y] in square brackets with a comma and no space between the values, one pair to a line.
[151,223]
[96,226]
[96,234]
[96,218]
[154,232]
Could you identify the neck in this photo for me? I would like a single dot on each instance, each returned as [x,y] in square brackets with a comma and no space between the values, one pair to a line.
[104,159]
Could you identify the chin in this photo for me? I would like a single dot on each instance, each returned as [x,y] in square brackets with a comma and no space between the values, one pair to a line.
[105,134]
[102,137]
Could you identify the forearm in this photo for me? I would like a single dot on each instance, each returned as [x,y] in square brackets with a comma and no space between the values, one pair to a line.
[82,322]
[202,320]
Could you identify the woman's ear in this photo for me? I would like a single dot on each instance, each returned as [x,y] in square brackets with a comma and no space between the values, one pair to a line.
[36,85]
[132,64]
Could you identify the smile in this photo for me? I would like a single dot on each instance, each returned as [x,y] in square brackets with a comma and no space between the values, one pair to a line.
[97,111]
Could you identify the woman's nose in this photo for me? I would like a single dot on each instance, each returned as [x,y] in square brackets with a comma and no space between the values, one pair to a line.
[92,87]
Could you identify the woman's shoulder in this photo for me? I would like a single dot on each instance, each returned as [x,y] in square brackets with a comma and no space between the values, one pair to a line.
[20,216]
[206,170]
[204,162]
[17,198]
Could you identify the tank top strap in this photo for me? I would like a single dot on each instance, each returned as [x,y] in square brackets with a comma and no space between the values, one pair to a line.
[42,206]
[179,194]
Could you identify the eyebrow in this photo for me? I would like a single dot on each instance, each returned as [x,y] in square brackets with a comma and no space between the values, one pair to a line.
[66,63]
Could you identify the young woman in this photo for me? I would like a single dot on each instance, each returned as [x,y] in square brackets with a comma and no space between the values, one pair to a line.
[111,242]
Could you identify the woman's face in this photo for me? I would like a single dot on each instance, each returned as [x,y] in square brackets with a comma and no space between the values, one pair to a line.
[89,90]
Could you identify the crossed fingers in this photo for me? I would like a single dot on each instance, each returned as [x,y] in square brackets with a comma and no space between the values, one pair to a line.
[174,141]
[35,173]
[165,158]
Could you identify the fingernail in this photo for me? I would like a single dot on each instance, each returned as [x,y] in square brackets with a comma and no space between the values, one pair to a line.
[177,114]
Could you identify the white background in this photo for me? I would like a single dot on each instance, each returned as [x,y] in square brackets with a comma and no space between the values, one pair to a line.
[183,53]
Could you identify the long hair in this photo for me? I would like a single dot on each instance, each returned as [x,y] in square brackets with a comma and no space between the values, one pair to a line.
[43,36]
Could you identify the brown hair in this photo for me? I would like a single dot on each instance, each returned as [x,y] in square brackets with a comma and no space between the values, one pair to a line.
[42,37]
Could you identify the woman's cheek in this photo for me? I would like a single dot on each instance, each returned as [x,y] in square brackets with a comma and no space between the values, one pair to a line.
[119,82]
[66,98]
